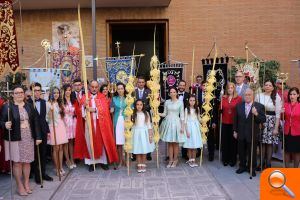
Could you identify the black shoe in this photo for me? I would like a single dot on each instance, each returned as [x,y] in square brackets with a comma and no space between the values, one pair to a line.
[104,166]
[167,158]
[38,181]
[47,178]
[240,170]
[185,158]
[133,158]
[253,174]
[258,168]
[91,168]
[149,157]
[211,158]
[232,164]
[225,164]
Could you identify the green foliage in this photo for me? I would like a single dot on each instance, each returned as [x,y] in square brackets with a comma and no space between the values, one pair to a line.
[12,80]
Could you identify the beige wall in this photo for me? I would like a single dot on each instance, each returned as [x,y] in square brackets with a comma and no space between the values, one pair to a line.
[271,27]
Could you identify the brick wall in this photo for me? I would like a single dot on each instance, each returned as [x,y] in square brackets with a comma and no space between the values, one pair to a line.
[271,27]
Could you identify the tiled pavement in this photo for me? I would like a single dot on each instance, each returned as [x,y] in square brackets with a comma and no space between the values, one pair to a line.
[211,181]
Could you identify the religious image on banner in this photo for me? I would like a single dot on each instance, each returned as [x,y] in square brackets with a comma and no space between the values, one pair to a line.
[170,75]
[9,61]
[89,61]
[65,45]
[221,72]
[250,69]
[46,77]
[119,68]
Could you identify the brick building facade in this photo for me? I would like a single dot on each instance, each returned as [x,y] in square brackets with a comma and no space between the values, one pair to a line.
[271,28]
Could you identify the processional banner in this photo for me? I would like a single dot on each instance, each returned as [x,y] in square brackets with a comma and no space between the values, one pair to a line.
[170,75]
[65,45]
[221,72]
[9,61]
[119,68]
[46,77]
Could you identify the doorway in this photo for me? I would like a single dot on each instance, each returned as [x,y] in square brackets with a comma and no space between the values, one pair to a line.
[140,34]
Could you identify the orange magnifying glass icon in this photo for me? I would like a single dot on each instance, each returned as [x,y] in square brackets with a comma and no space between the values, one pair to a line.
[277,180]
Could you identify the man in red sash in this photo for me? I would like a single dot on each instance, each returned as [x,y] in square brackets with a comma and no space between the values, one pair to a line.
[102,131]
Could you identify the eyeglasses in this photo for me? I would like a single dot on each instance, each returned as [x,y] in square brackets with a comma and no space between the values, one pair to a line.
[37,90]
[18,93]
[238,76]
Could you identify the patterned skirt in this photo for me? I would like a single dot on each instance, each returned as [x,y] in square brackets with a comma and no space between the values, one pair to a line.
[21,151]
[269,125]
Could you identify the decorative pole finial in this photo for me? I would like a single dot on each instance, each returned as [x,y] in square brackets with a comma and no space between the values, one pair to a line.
[118,48]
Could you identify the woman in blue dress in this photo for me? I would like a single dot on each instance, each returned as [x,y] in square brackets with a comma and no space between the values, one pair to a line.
[118,106]
[172,126]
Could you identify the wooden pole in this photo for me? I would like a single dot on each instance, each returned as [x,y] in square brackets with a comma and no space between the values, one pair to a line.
[84,77]
[37,146]
[9,143]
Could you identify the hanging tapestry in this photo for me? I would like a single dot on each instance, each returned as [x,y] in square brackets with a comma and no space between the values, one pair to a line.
[9,61]
[65,45]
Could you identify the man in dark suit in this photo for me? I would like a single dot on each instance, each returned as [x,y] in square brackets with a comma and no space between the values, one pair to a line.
[182,94]
[40,107]
[141,92]
[242,127]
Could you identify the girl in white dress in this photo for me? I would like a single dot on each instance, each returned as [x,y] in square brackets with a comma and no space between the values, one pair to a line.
[142,142]
[193,132]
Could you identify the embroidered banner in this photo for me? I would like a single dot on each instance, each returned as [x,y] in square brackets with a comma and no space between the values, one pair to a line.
[65,43]
[170,75]
[118,68]
[9,61]
[46,77]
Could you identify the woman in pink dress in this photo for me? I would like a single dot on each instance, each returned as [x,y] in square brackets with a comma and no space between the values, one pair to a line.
[70,121]
[55,118]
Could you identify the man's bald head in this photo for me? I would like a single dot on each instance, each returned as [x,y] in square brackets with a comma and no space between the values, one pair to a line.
[94,87]
[249,95]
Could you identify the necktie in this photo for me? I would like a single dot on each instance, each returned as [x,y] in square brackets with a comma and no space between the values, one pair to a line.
[248,107]
[238,89]
[37,100]
[141,94]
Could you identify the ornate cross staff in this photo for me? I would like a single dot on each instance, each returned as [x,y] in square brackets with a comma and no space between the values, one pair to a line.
[118,48]
[37,146]
[283,77]
[9,139]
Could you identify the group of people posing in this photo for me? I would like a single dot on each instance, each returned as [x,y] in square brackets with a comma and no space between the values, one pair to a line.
[248,121]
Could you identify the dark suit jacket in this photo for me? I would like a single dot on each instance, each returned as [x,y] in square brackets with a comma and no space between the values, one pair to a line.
[14,117]
[186,97]
[145,98]
[243,125]
[42,117]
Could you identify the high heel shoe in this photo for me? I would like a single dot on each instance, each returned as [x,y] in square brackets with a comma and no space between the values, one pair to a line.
[139,168]
[28,191]
[69,165]
[174,164]
[22,194]
[170,164]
